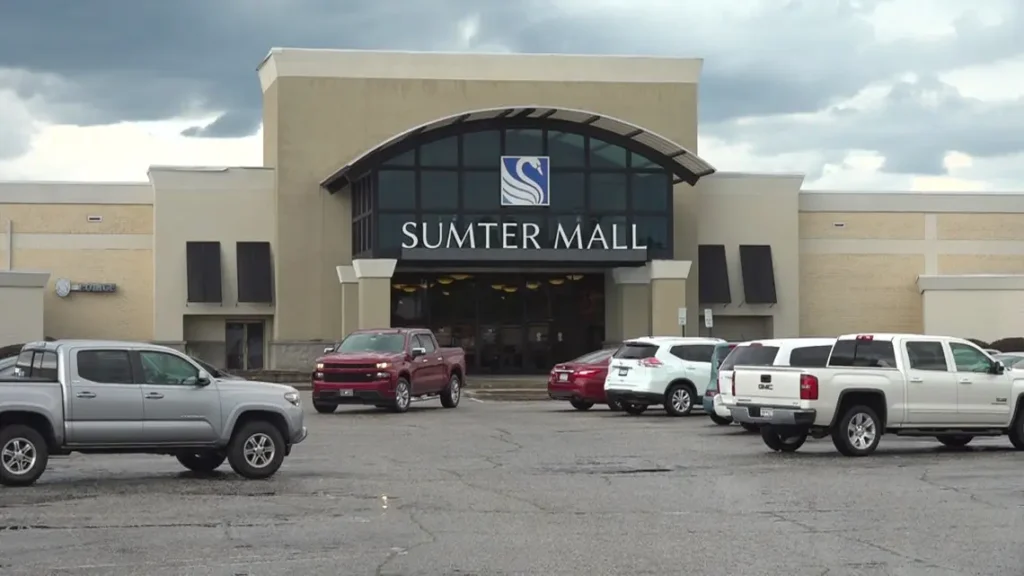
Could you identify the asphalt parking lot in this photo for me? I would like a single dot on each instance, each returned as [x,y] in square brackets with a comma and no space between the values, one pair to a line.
[497,488]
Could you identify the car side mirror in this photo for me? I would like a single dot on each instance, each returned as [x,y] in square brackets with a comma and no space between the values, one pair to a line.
[998,367]
[203,379]
[417,352]
[328,349]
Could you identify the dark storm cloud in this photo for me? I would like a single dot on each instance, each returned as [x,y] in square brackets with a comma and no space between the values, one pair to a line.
[131,60]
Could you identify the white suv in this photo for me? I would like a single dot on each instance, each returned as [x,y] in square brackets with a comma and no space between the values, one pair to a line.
[668,371]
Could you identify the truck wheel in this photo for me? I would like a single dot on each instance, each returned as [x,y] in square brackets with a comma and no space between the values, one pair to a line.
[23,455]
[325,407]
[719,420]
[678,400]
[781,440]
[256,450]
[750,427]
[581,405]
[403,397]
[204,461]
[1016,432]
[614,405]
[858,432]
[452,393]
[633,409]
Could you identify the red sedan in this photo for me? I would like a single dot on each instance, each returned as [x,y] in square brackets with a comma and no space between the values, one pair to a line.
[581,381]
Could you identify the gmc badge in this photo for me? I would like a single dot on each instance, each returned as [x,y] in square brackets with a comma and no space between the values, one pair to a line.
[764,386]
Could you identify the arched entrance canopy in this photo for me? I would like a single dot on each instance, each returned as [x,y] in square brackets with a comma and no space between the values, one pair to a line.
[685,165]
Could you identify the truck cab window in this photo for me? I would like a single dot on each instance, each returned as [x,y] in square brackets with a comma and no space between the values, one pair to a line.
[863,353]
[425,342]
[969,358]
[927,356]
[166,369]
[105,366]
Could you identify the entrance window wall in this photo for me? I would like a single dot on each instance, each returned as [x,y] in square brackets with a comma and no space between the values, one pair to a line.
[455,178]
[245,342]
[522,323]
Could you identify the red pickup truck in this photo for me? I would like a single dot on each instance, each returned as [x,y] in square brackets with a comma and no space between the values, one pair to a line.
[388,368]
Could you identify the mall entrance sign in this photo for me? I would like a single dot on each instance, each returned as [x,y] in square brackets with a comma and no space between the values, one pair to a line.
[517,236]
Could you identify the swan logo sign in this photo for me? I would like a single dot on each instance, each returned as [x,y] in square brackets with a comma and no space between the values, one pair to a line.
[525,181]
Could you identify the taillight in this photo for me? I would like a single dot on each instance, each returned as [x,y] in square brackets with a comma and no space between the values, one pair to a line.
[711,393]
[733,378]
[808,387]
[865,337]
[585,372]
[651,362]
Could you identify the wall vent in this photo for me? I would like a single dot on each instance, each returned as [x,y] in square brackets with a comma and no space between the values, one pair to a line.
[94,218]
[839,224]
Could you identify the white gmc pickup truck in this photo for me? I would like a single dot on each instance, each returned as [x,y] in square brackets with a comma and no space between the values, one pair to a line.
[903,384]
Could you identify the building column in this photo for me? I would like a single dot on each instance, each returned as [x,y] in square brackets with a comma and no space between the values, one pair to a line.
[632,302]
[349,299]
[374,290]
[668,296]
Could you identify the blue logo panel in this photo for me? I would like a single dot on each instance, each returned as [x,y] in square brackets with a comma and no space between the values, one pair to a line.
[525,181]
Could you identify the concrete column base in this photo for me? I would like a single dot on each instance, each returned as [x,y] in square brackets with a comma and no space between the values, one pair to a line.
[668,296]
[632,303]
[374,278]
[349,299]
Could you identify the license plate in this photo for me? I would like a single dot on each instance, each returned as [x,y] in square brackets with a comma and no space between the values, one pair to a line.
[344,392]
[623,371]
[767,412]
[563,377]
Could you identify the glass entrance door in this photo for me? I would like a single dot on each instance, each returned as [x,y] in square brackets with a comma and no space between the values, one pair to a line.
[507,323]
[245,343]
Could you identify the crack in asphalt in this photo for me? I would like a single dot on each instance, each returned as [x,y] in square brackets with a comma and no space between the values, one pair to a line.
[26,527]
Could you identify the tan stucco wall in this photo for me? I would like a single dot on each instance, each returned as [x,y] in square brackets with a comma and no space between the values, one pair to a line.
[981,226]
[228,206]
[321,122]
[735,209]
[21,306]
[843,293]
[993,314]
[862,226]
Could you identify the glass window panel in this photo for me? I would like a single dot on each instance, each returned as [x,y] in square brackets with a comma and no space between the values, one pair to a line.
[404,159]
[606,156]
[608,192]
[443,152]
[396,190]
[641,161]
[524,142]
[481,190]
[653,231]
[389,230]
[566,150]
[482,149]
[439,190]
[650,192]
[567,192]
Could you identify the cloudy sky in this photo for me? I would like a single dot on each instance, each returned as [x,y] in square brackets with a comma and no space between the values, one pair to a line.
[858,94]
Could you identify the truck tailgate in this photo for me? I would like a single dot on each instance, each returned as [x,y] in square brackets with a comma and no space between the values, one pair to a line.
[772,386]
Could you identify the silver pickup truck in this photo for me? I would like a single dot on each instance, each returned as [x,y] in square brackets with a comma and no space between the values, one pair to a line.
[96,397]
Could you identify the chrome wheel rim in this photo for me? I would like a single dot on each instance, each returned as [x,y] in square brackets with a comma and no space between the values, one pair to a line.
[259,450]
[18,456]
[681,400]
[454,388]
[861,431]
[402,395]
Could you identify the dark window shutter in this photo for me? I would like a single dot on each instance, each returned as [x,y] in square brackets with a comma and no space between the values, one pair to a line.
[202,260]
[255,274]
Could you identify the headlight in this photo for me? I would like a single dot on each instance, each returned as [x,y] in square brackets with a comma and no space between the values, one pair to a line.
[319,366]
[293,397]
[382,365]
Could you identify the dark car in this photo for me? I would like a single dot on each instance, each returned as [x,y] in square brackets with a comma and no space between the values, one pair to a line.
[581,381]
[717,357]
[388,368]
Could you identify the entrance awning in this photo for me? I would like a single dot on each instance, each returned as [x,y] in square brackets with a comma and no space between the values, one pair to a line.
[687,166]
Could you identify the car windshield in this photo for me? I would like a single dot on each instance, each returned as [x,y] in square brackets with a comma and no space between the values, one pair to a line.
[373,342]
[750,355]
[1009,360]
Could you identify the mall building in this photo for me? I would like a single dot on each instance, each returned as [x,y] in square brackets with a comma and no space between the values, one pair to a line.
[528,208]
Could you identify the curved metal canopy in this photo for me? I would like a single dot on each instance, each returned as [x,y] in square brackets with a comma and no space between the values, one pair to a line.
[687,166]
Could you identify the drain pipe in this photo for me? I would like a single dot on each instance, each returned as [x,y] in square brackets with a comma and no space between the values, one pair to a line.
[10,243]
